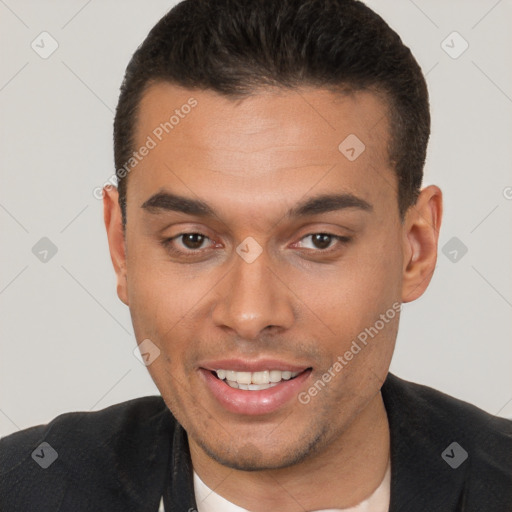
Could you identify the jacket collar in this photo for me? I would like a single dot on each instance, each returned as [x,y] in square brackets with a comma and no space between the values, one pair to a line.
[178,493]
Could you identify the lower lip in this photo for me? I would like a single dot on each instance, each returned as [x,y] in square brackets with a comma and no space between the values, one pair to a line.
[264,401]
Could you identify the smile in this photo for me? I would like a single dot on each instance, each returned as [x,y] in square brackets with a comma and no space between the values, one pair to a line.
[254,381]
[260,392]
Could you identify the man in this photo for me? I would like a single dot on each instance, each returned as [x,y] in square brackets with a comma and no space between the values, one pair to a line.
[268,224]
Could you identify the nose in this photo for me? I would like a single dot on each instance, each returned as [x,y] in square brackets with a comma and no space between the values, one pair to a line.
[253,298]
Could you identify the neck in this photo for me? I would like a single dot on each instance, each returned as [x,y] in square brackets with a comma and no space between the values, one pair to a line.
[342,475]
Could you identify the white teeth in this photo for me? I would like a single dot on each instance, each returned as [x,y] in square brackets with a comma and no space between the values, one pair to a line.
[243,377]
[257,387]
[254,381]
[261,377]
[275,376]
[230,375]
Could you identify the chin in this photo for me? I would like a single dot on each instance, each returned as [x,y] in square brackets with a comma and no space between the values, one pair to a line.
[248,456]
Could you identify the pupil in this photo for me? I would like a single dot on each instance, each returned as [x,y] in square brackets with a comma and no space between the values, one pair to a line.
[193,240]
[321,240]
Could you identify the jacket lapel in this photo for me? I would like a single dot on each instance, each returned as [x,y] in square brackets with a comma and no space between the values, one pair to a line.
[178,493]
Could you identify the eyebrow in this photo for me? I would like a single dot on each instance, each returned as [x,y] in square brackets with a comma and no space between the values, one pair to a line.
[166,201]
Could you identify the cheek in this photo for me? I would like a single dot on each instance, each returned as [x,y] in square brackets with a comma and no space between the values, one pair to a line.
[352,294]
[378,269]
[168,305]
[153,298]
[158,289]
[373,312]
[349,304]
[159,305]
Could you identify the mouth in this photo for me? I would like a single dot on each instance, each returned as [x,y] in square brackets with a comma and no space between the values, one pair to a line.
[254,381]
[242,392]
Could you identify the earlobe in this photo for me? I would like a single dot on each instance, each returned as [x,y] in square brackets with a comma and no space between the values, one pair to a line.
[116,239]
[420,239]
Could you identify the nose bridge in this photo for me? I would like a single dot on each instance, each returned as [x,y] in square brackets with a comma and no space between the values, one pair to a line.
[252,297]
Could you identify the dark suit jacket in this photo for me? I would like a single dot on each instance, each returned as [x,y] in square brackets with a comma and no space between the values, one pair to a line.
[125,457]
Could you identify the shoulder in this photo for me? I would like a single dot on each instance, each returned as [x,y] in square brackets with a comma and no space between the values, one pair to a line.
[433,408]
[83,429]
[84,453]
[449,434]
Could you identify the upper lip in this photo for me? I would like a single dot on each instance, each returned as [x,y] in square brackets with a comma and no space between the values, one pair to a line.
[245,365]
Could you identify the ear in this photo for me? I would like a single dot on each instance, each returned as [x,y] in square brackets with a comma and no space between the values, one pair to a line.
[421,233]
[115,235]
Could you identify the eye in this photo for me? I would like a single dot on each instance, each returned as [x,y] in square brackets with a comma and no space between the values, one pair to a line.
[323,241]
[192,241]
[185,244]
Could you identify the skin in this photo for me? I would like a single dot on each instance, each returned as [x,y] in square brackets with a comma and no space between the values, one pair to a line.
[252,160]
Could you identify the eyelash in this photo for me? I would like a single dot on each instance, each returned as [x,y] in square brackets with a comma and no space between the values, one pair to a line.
[167,243]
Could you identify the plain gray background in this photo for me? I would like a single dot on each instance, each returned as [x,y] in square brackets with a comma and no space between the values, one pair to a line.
[66,340]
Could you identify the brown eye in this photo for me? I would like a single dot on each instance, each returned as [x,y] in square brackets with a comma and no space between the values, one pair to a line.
[187,245]
[192,240]
[321,240]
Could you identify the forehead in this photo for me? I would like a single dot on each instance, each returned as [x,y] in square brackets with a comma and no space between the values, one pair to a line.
[275,143]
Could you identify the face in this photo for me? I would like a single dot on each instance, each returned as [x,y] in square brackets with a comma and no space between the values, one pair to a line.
[256,245]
